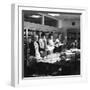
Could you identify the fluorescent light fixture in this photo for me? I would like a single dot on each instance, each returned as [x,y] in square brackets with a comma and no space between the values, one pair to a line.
[53,14]
[35,16]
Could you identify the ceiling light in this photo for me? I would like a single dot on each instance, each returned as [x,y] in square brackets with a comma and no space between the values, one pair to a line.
[53,14]
[35,16]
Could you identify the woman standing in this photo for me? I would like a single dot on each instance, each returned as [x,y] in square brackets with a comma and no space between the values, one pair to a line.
[36,45]
[43,44]
[50,45]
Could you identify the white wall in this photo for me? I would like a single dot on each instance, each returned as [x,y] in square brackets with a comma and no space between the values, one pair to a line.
[5,42]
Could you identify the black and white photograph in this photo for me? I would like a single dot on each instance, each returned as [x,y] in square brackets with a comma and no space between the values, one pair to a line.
[51,43]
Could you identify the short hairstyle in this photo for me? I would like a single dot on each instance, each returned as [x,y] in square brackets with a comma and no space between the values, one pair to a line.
[50,35]
[43,34]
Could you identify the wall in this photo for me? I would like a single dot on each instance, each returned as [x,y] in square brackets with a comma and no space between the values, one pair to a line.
[40,27]
[5,43]
[68,24]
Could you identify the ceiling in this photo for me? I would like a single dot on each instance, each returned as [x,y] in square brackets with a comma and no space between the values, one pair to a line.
[59,16]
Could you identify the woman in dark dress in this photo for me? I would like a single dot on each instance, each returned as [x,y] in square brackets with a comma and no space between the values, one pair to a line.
[32,47]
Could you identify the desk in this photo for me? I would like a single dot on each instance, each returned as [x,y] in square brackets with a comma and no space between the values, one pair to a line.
[53,65]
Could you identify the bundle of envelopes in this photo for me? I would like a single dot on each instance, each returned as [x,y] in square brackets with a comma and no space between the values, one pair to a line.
[52,58]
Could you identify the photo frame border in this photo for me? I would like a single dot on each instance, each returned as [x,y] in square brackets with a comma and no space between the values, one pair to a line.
[16,48]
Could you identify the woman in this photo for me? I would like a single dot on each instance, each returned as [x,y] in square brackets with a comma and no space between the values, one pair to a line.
[58,44]
[50,45]
[32,47]
[36,45]
[43,43]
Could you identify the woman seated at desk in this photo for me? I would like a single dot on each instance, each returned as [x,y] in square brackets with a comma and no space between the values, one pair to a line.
[74,44]
[58,45]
